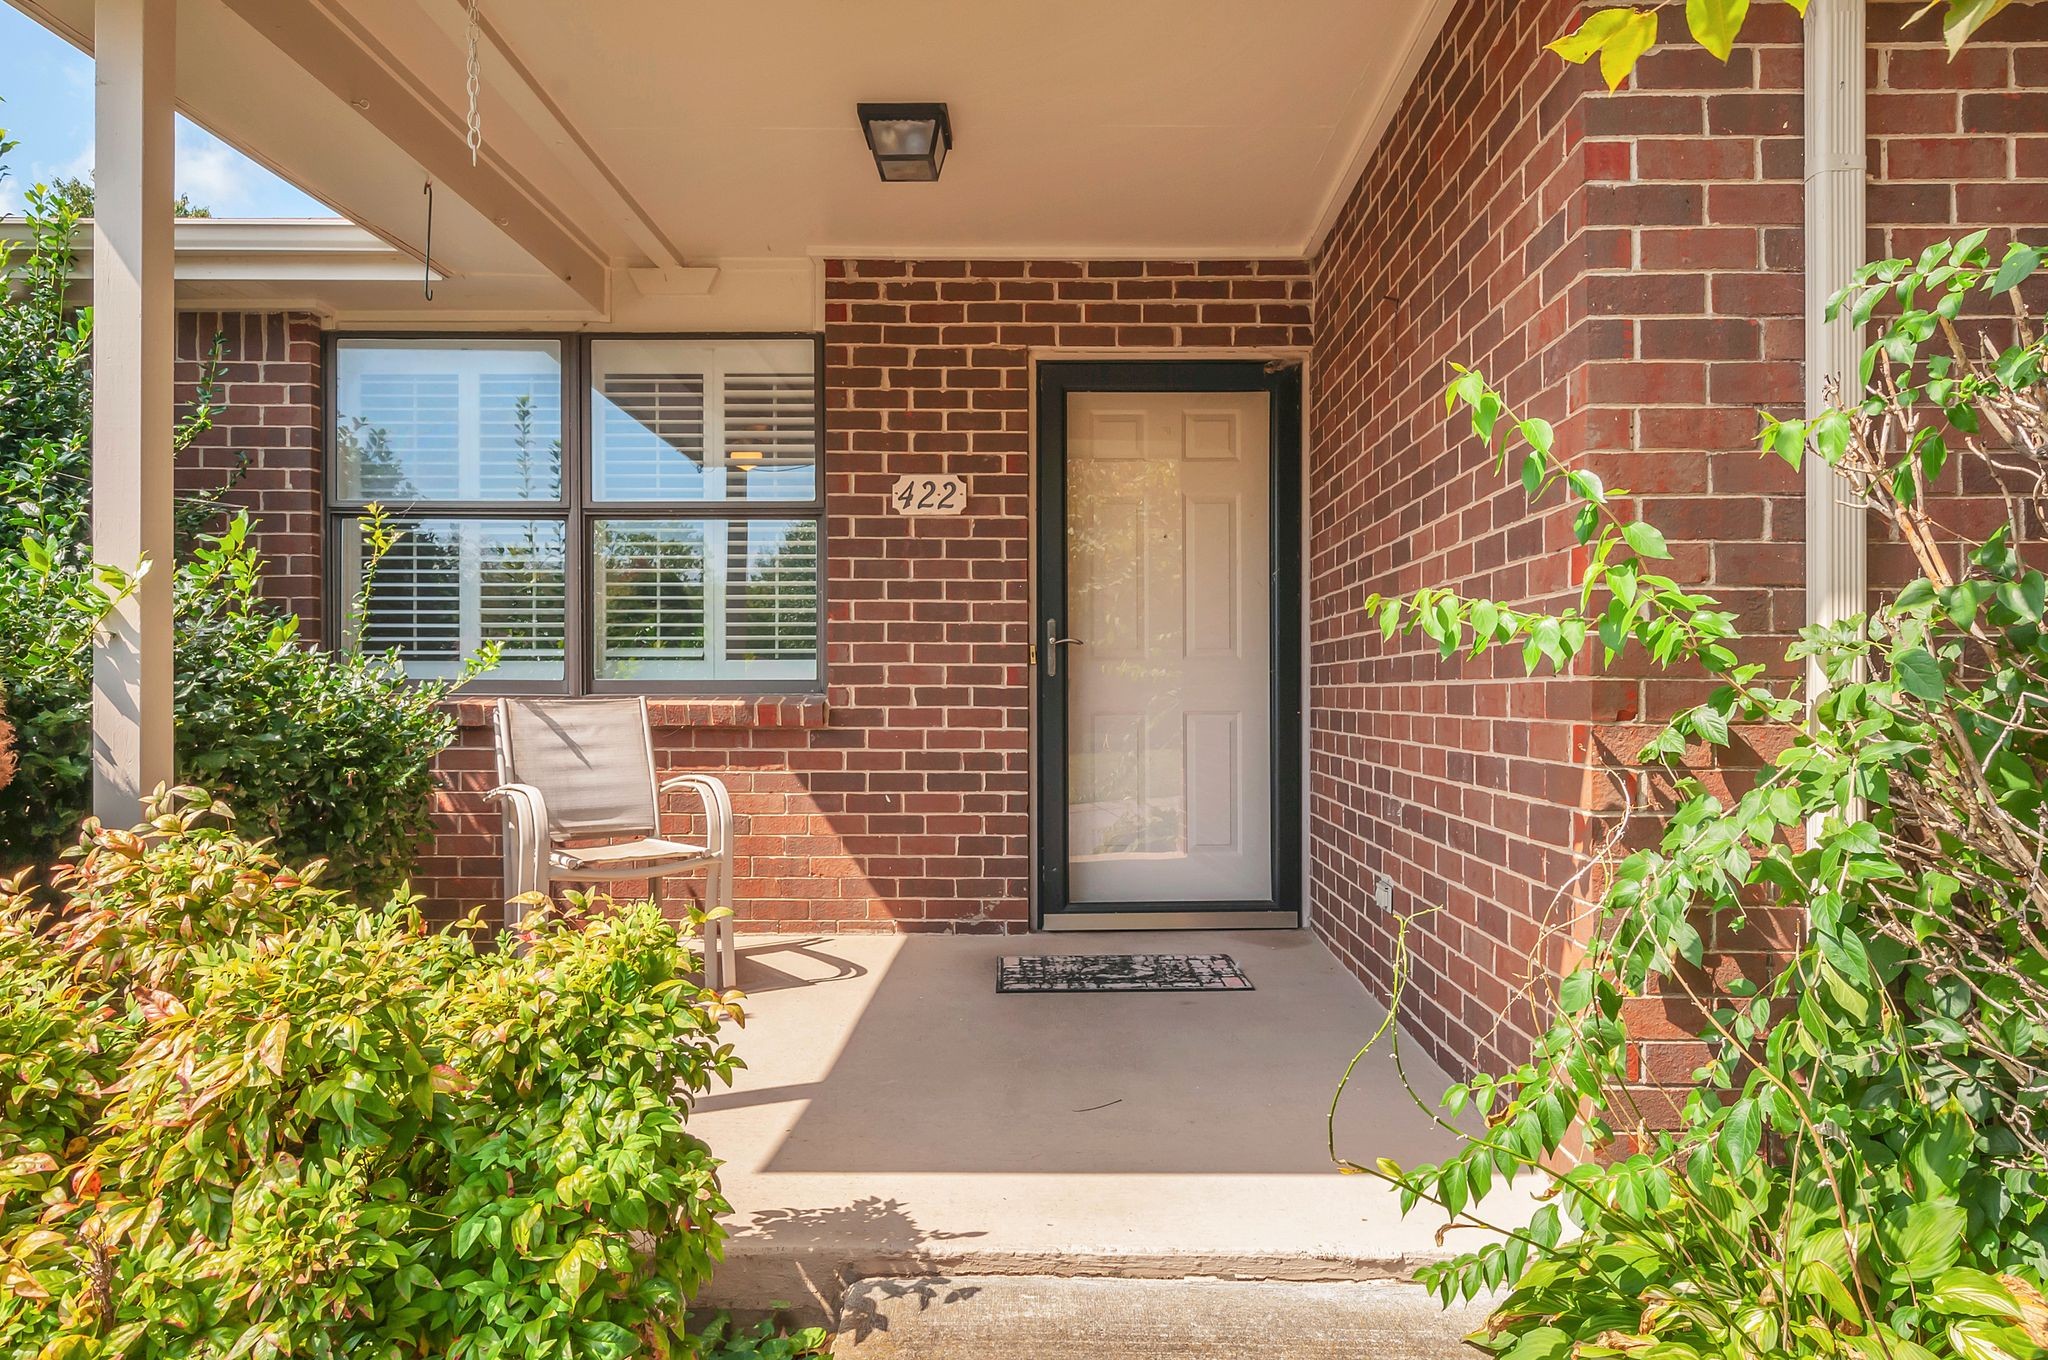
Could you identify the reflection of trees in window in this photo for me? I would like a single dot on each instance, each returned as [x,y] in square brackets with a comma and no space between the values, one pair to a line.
[521,587]
[771,611]
[533,429]
[653,593]
[368,460]
[415,598]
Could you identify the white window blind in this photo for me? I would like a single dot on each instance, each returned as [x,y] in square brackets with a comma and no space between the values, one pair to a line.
[704,421]
[771,591]
[771,435]
[653,436]
[448,587]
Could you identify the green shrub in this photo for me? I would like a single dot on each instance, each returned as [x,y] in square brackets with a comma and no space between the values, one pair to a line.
[329,754]
[254,1118]
[1863,1169]
[721,1340]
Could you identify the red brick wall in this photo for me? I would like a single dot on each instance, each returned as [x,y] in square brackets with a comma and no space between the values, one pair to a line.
[902,801]
[265,438]
[1627,265]
[1471,237]
[1955,146]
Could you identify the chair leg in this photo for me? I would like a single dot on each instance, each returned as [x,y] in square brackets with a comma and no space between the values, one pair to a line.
[728,952]
[717,968]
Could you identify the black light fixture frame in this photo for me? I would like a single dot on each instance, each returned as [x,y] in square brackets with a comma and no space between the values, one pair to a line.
[870,114]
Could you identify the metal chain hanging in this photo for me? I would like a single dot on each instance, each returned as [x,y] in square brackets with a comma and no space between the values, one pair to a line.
[476,120]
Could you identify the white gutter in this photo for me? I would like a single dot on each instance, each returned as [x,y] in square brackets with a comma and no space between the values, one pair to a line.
[259,250]
[1837,531]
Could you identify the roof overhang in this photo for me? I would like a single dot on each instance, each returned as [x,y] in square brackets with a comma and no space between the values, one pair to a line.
[634,146]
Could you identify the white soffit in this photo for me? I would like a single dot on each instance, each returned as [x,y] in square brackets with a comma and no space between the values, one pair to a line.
[1082,127]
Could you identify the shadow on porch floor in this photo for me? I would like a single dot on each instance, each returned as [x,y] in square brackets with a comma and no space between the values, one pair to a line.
[898,1117]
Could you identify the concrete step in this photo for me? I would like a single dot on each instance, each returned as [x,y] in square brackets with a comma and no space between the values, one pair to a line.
[1033,1317]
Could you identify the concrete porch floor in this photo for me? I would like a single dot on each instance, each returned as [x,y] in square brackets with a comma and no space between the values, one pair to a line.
[899,1118]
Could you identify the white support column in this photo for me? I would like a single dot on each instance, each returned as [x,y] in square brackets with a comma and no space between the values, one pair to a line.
[133,411]
[1837,530]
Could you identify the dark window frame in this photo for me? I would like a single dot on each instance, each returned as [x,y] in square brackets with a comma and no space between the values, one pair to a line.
[575,508]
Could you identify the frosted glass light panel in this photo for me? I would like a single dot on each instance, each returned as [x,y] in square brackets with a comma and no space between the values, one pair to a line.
[704,420]
[448,420]
[732,600]
[450,586]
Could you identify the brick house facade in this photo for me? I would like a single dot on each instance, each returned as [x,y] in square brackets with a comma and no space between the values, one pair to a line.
[1626,265]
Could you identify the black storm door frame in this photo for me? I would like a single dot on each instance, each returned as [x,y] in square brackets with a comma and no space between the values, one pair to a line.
[1056,381]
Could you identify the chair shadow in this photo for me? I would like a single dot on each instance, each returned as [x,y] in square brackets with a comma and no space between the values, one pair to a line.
[757,975]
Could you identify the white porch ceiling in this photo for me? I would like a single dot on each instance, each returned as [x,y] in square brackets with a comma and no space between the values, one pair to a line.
[622,134]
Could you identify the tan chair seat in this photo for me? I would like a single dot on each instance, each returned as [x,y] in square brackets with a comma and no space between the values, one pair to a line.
[618,855]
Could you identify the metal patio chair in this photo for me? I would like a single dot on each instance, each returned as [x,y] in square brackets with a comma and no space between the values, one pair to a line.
[582,804]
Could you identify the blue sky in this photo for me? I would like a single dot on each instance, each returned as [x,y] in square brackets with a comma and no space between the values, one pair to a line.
[46,84]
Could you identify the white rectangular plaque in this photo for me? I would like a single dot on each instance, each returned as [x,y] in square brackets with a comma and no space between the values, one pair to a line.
[929,494]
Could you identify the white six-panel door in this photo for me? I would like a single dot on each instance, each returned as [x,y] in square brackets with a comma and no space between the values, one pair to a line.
[1169,690]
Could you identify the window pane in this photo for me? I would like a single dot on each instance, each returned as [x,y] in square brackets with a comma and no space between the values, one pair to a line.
[725,600]
[448,420]
[726,420]
[448,586]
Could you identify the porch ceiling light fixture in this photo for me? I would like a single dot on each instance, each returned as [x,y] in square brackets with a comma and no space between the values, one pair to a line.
[909,141]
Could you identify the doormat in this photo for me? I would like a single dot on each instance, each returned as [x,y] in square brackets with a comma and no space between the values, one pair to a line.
[1121,973]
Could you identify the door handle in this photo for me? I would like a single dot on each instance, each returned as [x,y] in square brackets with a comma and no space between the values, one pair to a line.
[1053,643]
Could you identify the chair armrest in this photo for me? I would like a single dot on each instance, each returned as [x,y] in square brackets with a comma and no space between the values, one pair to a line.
[526,845]
[525,804]
[711,792]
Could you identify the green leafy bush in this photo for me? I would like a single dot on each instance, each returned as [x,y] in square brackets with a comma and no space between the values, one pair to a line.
[251,1118]
[329,754]
[1863,1168]
[721,1340]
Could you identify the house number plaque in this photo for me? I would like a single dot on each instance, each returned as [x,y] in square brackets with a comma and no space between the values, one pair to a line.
[936,494]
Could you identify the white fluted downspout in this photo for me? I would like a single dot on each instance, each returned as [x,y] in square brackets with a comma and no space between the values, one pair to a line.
[1837,531]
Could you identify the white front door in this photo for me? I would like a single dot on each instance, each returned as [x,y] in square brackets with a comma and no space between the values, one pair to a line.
[1168,660]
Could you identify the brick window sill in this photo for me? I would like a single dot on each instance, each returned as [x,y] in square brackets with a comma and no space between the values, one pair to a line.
[710,710]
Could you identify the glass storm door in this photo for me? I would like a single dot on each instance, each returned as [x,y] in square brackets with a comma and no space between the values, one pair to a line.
[1168,707]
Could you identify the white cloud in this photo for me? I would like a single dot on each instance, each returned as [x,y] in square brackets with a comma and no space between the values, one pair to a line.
[212,173]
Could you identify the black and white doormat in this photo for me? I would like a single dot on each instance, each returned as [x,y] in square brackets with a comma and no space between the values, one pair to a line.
[1121,973]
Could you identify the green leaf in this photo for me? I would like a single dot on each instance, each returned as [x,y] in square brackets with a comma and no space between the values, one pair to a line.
[2019,263]
[1965,17]
[1979,1339]
[1715,23]
[1575,993]
[1972,1293]
[1919,674]
[1645,539]
[1927,1236]
[1741,1134]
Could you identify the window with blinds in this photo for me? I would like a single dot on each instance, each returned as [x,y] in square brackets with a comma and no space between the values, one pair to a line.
[447,588]
[652,434]
[667,539]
